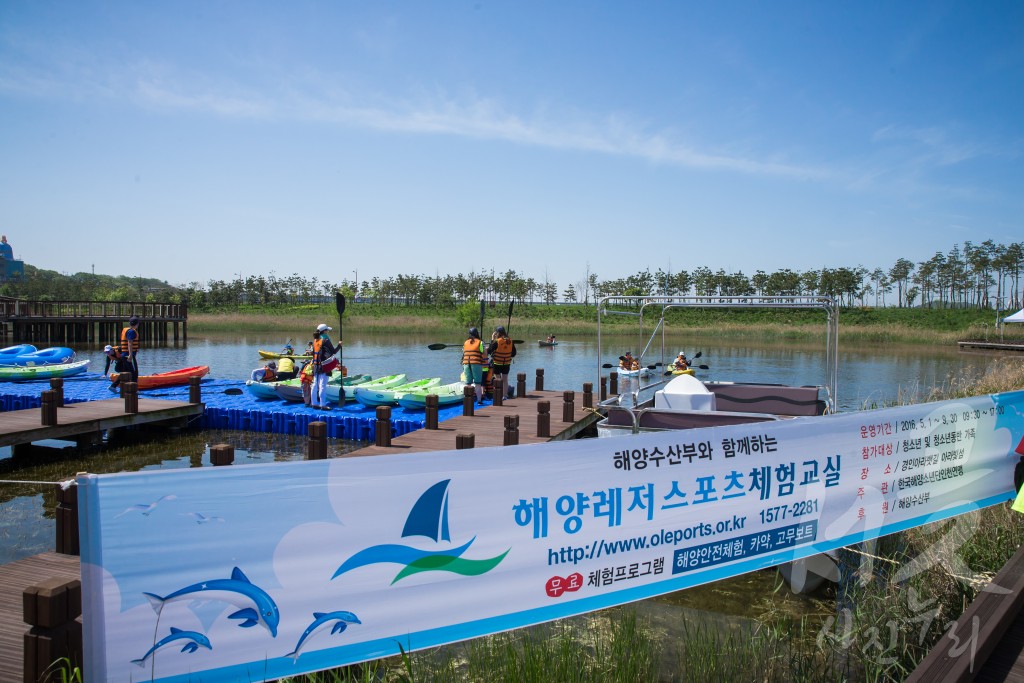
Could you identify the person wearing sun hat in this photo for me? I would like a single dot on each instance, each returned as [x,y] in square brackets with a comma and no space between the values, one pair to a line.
[681,363]
[324,364]
[114,357]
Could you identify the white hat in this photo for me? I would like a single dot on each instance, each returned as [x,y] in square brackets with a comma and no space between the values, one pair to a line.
[682,354]
[322,327]
[108,348]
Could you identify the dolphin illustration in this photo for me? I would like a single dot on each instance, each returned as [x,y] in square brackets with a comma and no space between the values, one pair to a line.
[146,508]
[319,619]
[194,639]
[256,606]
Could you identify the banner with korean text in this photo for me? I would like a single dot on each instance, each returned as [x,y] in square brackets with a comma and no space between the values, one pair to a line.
[256,572]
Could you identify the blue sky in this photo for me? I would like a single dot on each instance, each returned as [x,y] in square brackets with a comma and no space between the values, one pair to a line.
[203,140]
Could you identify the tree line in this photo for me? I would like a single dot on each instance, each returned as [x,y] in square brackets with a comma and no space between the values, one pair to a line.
[985,275]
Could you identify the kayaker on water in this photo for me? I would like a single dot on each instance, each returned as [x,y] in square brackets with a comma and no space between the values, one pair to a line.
[681,363]
[474,357]
[627,362]
[502,351]
[324,363]
[130,346]
[120,365]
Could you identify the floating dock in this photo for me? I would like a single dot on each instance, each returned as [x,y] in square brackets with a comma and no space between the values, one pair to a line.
[997,346]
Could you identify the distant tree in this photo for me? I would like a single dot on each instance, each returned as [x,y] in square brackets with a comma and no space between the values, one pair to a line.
[569,295]
[899,273]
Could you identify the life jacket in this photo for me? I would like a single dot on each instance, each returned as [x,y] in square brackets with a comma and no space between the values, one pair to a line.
[285,365]
[681,364]
[268,375]
[306,374]
[503,354]
[626,364]
[488,385]
[320,364]
[134,342]
[473,352]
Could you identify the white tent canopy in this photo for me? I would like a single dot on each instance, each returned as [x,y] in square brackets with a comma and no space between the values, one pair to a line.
[1017,317]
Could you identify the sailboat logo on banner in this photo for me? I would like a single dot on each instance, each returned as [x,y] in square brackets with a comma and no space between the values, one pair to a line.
[429,518]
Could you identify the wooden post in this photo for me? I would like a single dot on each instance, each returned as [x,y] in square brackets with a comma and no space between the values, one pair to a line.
[613,384]
[465,441]
[604,388]
[57,384]
[130,391]
[382,430]
[51,608]
[588,395]
[540,379]
[468,399]
[521,385]
[49,408]
[195,393]
[544,419]
[123,379]
[67,521]
[222,454]
[431,411]
[316,442]
[568,406]
[499,392]
[511,436]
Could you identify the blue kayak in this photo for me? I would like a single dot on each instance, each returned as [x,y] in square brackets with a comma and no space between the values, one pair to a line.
[55,355]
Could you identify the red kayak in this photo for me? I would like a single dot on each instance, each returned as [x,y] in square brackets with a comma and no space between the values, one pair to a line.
[173,378]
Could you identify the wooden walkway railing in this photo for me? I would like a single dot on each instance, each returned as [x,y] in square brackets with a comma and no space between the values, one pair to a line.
[63,322]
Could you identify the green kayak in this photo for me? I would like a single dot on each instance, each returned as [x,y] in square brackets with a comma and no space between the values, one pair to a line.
[16,373]
[447,394]
[291,389]
[372,396]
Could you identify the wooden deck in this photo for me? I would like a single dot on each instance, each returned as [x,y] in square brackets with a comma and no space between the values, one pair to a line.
[987,640]
[76,419]
[488,426]
[15,577]
[996,346]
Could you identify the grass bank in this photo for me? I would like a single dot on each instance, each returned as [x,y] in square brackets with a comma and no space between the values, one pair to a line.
[889,325]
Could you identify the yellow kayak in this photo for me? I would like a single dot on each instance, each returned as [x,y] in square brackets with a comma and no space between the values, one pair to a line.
[687,371]
[274,354]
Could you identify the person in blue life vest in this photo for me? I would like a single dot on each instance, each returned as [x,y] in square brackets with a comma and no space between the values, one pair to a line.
[502,351]
[130,346]
[114,357]
[324,363]
[474,357]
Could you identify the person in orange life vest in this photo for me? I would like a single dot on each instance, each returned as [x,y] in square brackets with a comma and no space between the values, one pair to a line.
[115,358]
[501,351]
[268,373]
[306,380]
[627,362]
[323,364]
[130,346]
[474,357]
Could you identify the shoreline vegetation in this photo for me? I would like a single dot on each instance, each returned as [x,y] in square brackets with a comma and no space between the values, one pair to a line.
[857,325]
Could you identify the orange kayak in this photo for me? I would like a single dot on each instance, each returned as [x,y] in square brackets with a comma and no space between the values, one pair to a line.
[172,378]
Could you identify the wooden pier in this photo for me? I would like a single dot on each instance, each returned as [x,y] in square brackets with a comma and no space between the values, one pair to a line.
[85,421]
[995,346]
[488,425]
[94,322]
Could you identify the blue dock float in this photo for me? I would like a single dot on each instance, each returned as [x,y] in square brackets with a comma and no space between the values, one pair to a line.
[241,412]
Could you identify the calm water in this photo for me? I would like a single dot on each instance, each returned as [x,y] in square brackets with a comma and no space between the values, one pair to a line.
[866,376]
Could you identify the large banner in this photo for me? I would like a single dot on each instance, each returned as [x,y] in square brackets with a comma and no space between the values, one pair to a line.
[263,571]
